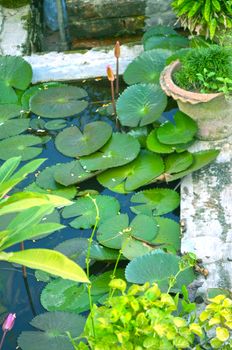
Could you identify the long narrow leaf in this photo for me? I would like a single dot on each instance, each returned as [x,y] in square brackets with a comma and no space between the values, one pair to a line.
[6,186]
[29,168]
[49,261]
[8,168]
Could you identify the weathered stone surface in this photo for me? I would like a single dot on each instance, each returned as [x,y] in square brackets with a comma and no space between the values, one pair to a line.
[75,66]
[105,27]
[86,9]
[206,206]
[159,12]
[13,30]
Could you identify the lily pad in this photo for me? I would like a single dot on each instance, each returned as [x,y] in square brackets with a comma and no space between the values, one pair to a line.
[85,211]
[73,143]
[59,102]
[71,173]
[52,334]
[154,145]
[56,124]
[141,171]
[13,127]
[183,131]
[75,249]
[113,231]
[21,145]
[7,93]
[170,42]
[200,159]
[158,267]
[141,104]
[176,162]
[169,235]
[140,134]
[66,192]
[158,30]
[8,111]
[119,150]
[132,248]
[15,71]
[146,68]
[157,201]
[101,253]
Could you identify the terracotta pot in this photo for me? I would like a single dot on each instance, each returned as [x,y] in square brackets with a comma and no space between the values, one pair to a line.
[213,112]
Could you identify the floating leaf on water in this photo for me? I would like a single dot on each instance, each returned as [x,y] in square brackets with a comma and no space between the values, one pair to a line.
[115,230]
[183,131]
[119,150]
[56,124]
[101,253]
[8,111]
[7,93]
[66,192]
[176,162]
[157,201]
[37,123]
[146,68]
[168,234]
[75,249]
[52,334]
[13,127]
[154,145]
[71,173]
[141,171]
[15,71]
[200,159]
[158,30]
[140,134]
[59,102]
[158,267]
[132,248]
[73,143]
[20,145]
[85,210]
[141,104]
[45,179]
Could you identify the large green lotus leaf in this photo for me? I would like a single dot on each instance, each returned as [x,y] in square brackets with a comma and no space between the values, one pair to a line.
[200,159]
[157,201]
[56,124]
[182,131]
[114,230]
[58,102]
[101,253]
[171,42]
[140,134]
[13,127]
[71,173]
[20,145]
[53,328]
[8,111]
[119,150]
[73,143]
[158,267]
[169,235]
[7,93]
[176,162]
[45,178]
[146,68]
[110,234]
[75,249]
[158,30]
[141,104]
[85,211]
[27,95]
[141,171]
[154,145]
[66,192]
[132,248]
[15,71]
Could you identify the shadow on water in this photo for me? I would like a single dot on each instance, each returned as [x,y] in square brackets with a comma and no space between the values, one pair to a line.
[23,297]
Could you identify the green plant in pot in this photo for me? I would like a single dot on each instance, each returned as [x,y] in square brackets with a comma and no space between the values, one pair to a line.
[201,83]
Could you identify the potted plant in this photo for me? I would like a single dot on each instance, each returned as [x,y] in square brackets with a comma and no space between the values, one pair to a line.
[201,83]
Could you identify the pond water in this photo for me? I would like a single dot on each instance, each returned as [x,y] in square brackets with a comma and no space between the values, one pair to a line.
[23,296]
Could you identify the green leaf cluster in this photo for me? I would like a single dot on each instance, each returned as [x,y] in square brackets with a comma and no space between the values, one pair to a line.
[205,16]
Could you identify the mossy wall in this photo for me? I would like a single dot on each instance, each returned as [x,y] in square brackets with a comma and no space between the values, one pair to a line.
[14,3]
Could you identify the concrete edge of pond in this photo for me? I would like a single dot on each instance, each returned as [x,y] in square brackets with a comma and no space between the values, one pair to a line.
[206,202]
[75,66]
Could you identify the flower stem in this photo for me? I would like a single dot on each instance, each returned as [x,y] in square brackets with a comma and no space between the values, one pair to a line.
[117,76]
[114,105]
[2,340]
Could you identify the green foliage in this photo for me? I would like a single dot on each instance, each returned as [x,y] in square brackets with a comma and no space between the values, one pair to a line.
[201,68]
[205,16]
[14,3]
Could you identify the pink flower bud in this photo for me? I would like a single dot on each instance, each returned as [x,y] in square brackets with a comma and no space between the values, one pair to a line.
[110,73]
[9,323]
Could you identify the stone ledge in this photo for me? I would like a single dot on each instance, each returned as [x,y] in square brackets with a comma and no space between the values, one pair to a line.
[206,206]
[75,66]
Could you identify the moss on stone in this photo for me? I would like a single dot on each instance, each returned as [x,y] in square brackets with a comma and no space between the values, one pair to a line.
[14,3]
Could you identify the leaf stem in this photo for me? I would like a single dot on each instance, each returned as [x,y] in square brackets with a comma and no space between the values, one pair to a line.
[2,340]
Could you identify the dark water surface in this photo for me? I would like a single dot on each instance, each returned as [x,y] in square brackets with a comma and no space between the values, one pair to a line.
[14,295]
